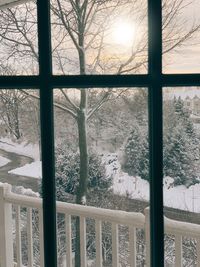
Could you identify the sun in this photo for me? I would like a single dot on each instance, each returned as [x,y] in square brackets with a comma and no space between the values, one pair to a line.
[123,33]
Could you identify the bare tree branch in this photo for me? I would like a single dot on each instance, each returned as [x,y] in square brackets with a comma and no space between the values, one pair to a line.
[57,105]
[73,105]
[99,104]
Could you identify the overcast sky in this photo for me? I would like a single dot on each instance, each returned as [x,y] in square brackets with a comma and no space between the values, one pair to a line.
[187,58]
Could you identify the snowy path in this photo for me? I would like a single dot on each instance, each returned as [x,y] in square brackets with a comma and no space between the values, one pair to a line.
[16,161]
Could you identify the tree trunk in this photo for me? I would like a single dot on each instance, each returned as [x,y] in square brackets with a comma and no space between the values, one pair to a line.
[82,132]
[17,132]
[82,188]
[83,176]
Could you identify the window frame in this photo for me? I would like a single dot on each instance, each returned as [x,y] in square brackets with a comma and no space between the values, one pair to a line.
[154,80]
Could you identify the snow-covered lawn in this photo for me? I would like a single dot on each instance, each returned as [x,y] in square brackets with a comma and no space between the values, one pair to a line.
[179,197]
[3,161]
[33,169]
[23,148]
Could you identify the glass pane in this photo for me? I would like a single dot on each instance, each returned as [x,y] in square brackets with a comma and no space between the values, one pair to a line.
[181,113]
[111,130]
[20,138]
[20,173]
[18,40]
[99,37]
[181,32]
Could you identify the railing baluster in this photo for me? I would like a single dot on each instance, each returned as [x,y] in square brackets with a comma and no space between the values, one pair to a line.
[132,246]
[18,237]
[115,218]
[68,240]
[41,238]
[83,242]
[6,227]
[198,252]
[30,237]
[98,238]
[115,250]
[178,250]
[147,236]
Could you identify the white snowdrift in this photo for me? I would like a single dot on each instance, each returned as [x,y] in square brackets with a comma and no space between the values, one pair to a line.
[22,191]
[3,161]
[179,197]
[29,150]
[33,169]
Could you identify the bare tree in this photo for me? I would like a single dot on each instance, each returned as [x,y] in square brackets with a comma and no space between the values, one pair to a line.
[11,101]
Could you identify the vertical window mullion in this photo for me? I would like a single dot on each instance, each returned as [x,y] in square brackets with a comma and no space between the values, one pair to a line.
[155,133]
[47,133]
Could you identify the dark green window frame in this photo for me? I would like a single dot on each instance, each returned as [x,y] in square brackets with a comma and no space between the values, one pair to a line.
[154,80]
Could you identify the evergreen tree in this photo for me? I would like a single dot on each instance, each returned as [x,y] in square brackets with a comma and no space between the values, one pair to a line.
[181,151]
[178,159]
[136,154]
[180,146]
[137,104]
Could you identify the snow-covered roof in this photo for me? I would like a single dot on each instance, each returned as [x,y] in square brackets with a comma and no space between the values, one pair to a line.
[9,3]
[183,93]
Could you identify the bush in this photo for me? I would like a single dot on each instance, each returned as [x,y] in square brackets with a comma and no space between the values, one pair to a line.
[67,166]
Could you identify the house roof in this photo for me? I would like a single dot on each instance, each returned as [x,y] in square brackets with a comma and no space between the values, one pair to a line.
[185,93]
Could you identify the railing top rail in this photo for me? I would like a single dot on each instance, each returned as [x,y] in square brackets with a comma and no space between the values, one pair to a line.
[121,217]
[22,200]
[182,228]
[118,216]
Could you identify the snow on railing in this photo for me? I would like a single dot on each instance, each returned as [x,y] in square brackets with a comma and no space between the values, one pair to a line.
[180,230]
[22,210]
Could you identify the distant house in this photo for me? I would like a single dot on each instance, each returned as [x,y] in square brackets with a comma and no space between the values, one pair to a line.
[193,104]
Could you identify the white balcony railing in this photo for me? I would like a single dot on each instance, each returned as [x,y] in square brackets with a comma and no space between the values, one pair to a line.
[17,210]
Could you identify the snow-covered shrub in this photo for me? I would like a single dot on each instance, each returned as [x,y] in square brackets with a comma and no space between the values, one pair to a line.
[67,166]
[168,182]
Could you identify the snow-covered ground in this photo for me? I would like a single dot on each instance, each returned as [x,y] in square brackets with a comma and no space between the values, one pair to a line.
[3,161]
[33,169]
[25,149]
[178,197]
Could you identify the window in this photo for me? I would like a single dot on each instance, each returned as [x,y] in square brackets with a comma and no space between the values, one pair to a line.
[154,80]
